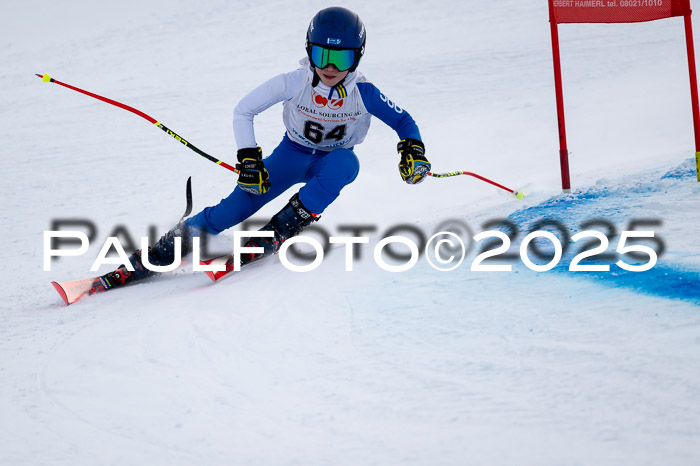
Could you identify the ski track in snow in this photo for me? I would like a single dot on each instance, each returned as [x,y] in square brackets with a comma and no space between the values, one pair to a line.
[364,367]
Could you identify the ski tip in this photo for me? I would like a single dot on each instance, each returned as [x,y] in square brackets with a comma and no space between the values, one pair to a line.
[209,273]
[61,292]
[213,275]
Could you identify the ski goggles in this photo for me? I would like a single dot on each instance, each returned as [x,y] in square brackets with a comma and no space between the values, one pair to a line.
[341,59]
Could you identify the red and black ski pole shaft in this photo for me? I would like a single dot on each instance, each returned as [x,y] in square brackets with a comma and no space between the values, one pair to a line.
[48,79]
[517,194]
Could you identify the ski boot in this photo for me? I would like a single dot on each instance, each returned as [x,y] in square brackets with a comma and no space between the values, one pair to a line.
[286,223]
[161,253]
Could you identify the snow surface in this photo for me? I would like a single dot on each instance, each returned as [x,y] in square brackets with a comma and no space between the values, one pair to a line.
[363,367]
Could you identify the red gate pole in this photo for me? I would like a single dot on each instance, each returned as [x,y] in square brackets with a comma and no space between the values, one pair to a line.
[563,151]
[693,89]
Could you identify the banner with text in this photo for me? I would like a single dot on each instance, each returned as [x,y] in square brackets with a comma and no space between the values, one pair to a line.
[617,11]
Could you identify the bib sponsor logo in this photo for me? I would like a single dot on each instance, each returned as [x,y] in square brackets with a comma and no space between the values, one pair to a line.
[320,102]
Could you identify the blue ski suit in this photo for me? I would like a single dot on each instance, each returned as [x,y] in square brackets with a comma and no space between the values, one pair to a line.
[323,125]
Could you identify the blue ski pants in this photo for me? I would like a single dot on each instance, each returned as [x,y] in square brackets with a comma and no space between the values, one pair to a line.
[325,174]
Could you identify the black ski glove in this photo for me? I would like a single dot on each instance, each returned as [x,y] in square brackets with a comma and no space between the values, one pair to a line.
[253,177]
[413,167]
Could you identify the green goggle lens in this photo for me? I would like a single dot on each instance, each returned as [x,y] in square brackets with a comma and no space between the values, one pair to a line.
[322,57]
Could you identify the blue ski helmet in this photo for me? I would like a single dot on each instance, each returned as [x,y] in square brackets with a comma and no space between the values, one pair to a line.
[336,36]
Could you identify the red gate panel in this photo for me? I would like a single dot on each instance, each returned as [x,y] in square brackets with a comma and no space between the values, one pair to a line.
[617,11]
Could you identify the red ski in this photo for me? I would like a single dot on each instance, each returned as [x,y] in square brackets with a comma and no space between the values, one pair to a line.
[73,291]
[246,260]
[216,276]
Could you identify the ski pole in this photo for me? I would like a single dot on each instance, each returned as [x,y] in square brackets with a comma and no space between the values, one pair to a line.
[517,194]
[48,79]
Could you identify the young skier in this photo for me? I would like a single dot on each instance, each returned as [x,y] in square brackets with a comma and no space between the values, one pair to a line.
[327,109]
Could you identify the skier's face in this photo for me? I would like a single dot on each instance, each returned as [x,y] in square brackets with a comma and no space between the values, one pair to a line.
[330,76]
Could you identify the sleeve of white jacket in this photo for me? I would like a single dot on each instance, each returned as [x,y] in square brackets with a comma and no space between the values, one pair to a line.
[280,88]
